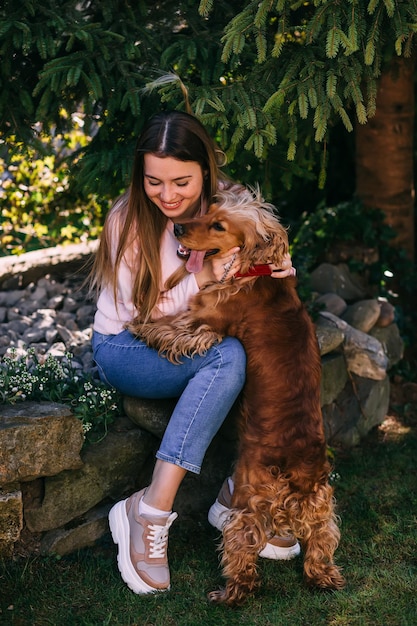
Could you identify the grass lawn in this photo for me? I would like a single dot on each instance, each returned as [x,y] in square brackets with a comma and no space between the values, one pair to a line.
[376,491]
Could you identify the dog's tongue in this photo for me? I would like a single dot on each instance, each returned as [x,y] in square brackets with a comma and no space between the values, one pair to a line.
[195,261]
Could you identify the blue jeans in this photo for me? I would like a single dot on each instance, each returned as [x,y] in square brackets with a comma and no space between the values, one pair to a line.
[207,386]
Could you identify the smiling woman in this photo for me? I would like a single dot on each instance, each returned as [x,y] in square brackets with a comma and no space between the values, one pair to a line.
[175,176]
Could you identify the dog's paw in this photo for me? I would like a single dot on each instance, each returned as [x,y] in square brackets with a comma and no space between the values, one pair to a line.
[217,597]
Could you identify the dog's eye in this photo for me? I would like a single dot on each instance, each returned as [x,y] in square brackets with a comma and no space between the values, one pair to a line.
[217,226]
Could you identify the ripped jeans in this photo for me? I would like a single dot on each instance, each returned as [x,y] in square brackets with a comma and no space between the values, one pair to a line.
[207,386]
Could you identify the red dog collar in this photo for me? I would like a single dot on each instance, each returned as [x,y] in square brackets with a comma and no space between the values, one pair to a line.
[255,270]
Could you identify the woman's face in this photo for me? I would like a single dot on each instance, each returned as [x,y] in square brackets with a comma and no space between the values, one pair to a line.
[174,186]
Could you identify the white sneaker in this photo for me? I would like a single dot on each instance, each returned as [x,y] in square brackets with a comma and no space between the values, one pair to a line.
[279,548]
[142,541]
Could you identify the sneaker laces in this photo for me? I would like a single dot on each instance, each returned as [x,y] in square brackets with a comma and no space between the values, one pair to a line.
[158,537]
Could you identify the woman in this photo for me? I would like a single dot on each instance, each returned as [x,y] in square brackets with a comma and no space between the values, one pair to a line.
[175,175]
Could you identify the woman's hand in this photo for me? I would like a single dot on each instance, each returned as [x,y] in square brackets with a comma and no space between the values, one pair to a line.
[285,270]
[226,265]
[223,268]
[219,268]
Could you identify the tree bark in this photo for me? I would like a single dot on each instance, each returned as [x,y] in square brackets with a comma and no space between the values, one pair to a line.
[384,153]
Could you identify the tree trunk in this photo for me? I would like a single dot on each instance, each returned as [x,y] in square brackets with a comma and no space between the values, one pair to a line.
[384,153]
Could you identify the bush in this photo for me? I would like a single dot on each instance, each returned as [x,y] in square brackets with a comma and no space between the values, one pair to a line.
[39,207]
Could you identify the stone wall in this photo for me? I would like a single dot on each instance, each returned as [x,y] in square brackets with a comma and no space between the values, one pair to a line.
[58,492]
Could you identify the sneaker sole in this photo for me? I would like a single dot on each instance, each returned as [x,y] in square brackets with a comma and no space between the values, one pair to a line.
[278,553]
[218,515]
[120,531]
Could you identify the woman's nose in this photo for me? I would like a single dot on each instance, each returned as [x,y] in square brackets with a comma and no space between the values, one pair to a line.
[167,193]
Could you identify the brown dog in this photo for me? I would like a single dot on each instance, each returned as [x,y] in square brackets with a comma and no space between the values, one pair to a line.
[281,475]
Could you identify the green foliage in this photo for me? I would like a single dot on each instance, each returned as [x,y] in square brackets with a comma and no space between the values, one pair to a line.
[27,376]
[269,79]
[325,228]
[318,61]
[38,207]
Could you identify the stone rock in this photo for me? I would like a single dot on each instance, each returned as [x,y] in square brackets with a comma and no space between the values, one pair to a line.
[110,468]
[362,315]
[10,298]
[11,517]
[79,533]
[332,303]
[362,405]
[374,398]
[337,279]
[334,377]
[387,314]
[152,415]
[364,354]
[390,339]
[31,436]
[329,337]
[18,271]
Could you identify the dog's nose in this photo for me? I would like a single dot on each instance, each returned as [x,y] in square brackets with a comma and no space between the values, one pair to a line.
[179,230]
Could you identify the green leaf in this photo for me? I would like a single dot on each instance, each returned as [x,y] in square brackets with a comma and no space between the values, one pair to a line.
[390,7]
[332,43]
[331,85]
[303,105]
[291,152]
[260,46]
[369,53]
[205,7]
[73,75]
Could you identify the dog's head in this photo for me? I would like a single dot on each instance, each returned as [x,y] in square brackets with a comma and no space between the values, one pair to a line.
[243,220]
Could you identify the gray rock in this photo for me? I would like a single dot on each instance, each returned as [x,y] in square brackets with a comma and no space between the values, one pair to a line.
[81,533]
[334,377]
[329,337]
[31,266]
[337,279]
[109,469]
[332,303]
[364,354]
[10,298]
[152,415]
[361,405]
[362,315]
[390,339]
[31,436]
[387,313]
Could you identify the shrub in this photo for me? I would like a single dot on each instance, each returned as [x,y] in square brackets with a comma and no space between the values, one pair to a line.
[39,207]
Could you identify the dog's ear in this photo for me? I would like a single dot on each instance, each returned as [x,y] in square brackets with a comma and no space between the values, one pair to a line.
[279,243]
[268,242]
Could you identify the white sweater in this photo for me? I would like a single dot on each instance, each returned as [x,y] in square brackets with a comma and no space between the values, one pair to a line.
[111,318]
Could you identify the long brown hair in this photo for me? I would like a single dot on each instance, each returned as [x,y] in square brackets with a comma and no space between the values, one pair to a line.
[139,222]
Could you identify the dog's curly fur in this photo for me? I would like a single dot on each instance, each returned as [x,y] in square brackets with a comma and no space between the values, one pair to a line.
[281,474]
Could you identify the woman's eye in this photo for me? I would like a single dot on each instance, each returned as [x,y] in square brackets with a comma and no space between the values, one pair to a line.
[182,184]
[217,226]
